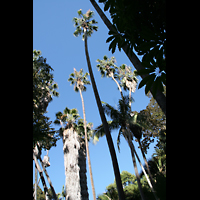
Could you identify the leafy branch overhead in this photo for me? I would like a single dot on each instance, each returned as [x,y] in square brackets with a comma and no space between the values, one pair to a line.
[142,26]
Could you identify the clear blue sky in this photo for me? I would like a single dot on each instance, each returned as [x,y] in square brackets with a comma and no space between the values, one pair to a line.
[53,35]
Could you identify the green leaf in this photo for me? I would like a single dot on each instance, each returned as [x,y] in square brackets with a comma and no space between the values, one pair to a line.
[107,5]
[57,122]
[66,110]
[145,46]
[80,12]
[113,45]
[149,83]
[145,71]
[109,39]
[144,81]
[157,85]
[58,115]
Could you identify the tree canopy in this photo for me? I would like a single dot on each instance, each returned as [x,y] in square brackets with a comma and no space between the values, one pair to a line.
[44,88]
[141,25]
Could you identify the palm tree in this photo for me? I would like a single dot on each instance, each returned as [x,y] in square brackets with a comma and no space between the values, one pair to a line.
[79,80]
[85,26]
[128,79]
[121,120]
[128,128]
[160,97]
[72,132]
[108,68]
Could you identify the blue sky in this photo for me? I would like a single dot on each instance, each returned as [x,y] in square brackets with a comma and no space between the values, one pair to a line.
[53,35]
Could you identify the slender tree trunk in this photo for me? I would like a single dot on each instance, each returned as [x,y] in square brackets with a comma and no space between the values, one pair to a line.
[127,137]
[35,183]
[48,179]
[146,163]
[105,125]
[87,146]
[45,171]
[118,86]
[76,180]
[149,182]
[41,175]
[160,97]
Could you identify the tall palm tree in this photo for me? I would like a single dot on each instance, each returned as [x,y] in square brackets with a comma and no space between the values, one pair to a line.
[127,79]
[108,68]
[121,120]
[128,128]
[79,80]
[72,132]
[85,26]
[160,97]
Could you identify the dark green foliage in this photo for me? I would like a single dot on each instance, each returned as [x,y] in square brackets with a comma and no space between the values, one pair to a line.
[84,22]
[130,188]
[70,118]
[79,80]
[141,25]
[44,88]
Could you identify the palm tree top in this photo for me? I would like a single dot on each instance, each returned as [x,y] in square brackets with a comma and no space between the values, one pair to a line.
[84,23]
[71,118]
[107,66]
[127,78]
[79,80]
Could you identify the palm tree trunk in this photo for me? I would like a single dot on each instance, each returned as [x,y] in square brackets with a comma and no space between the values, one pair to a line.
[87,147]
[105,125]
[160,97]
[73,184]
[134,164]
[118,86]
[146,163]
[149,182]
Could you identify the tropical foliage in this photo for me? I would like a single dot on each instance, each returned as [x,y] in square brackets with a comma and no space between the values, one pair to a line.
[157,166]
[80,80]
[70,118]
[44,88]
[84,25]
[84,22]
[147,35]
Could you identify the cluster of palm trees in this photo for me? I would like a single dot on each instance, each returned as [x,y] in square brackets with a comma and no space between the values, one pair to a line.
[76,132]
[122,118]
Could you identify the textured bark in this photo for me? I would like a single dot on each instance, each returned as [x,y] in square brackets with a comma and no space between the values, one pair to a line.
[75,166]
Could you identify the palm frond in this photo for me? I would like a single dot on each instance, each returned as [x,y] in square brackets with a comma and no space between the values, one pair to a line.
[66,111]
[111,111]
[118,138]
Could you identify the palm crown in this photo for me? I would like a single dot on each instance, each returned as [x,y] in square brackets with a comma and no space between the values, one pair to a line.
[107,66]
[70,118]
[120,119]
[84,23]
[127,78]
[79,80]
